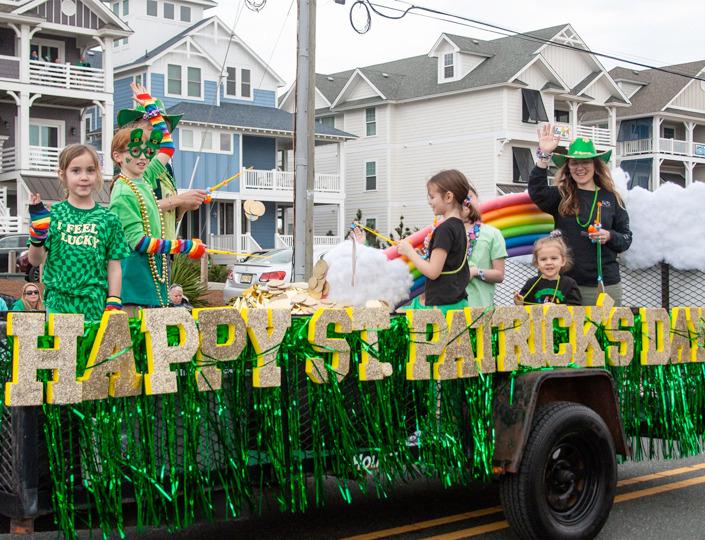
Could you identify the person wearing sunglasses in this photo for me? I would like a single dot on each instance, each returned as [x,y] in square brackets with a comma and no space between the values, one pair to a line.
[31,299]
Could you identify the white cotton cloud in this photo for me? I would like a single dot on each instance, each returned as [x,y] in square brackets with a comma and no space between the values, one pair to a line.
[376,278]
[667,225]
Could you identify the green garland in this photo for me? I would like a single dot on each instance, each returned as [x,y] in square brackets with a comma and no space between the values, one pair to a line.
[170,452]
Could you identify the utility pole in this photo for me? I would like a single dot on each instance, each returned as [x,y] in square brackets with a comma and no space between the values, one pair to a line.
[304,137]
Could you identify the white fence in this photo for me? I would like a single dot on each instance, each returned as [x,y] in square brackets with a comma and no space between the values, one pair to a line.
[674,147]
[66,76]
[599,135]
[229,242]
[41,158]
[287,240]
[260,180]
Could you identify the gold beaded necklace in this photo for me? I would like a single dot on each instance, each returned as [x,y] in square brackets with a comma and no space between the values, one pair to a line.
[164,277]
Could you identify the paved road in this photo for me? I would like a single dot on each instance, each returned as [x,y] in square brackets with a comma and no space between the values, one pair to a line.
[655,500]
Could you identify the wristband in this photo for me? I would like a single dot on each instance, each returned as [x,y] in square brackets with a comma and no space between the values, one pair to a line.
[39,227]
[544,156]
[481,275]
[113,303]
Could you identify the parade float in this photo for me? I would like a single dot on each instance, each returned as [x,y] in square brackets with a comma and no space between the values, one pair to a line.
[296,385]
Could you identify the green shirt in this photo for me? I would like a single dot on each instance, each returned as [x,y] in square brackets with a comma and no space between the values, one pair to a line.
[159,178]
[489,247]
[138,284]
[79,245]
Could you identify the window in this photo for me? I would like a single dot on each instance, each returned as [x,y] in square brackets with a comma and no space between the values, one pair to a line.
[185,14]
[152,8]
[116,8]
[532,110]
[186,138]
[523,163]
[173,85]
[168,11]
[370,176]
[561,116]
[669,133]
[141,78]
[125,8]
[45,135]
[328,121]
[194,82]
[226,142]
[231,82]
[370,239]
[448,66]
[245,86]
[371,121]
[207,140]
[226,218]
[88,123]
[48,50]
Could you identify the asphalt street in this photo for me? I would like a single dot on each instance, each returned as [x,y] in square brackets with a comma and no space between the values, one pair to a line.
[655,500]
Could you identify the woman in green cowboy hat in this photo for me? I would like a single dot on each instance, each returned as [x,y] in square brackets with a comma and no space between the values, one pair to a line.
[587,208]
[172,204]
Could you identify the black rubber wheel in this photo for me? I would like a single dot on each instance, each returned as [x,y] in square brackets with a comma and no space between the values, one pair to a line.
[567,478]
[32,274]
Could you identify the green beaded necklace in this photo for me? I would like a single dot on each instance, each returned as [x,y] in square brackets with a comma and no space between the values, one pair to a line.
[589,219]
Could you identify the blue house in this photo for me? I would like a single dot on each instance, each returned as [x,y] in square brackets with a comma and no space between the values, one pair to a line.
[227,96]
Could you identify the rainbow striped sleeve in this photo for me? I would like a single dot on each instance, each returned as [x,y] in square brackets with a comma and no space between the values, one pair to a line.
[157,120]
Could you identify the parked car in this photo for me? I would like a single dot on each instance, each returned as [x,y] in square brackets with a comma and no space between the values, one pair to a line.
[11,243]
[261,268]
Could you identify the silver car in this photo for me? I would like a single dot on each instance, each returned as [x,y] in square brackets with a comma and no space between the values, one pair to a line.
[261,268]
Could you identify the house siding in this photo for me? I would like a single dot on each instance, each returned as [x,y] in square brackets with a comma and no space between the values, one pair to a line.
[693,97]
[211,169]
[259,152]
[261,98]
[122,95]
[572,66]
[264,228]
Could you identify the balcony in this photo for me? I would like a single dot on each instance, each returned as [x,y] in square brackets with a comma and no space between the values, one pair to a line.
[673,147]
[600,136]
[254,180]
[41,159]
[287,241]
[55,75]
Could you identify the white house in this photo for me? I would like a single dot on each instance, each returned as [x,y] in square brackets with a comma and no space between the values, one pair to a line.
[43,101]
[467,104]
[662,135]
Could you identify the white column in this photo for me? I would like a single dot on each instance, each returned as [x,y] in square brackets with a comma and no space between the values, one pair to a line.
[689,165]
[341,175]
[612,121]
[237,216]
[107,135]
[22,145]
[24,53]
[107,44]
[573,119]
[689,128]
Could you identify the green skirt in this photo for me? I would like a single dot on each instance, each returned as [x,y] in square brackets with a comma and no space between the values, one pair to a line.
[138,286]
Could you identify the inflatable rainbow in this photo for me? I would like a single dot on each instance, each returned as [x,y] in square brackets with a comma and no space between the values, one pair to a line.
[519,220]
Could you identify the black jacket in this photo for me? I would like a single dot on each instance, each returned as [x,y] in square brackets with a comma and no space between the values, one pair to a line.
[614,218]
[541,290]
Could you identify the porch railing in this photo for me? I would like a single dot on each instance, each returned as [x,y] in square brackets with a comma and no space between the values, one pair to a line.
[66,76]
[7,159]
[287,240]
[262,180]
[599,135]
[675,147]
[10,224]
[229,242]
[41,158]
[630,148]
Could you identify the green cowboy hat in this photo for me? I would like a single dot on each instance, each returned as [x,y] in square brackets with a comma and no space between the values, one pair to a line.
[126,116]
[581,148]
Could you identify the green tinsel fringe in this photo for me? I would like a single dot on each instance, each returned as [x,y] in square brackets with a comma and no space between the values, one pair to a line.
[170,452]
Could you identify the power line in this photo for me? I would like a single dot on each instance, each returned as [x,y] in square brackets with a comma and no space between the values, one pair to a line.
[369,6]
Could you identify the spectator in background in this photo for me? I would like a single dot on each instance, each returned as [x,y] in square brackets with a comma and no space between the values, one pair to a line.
[83,62]
[177,298]
[34,55]
[31,299]
[3,304]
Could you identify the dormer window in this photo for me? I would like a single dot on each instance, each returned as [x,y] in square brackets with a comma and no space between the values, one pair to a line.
[448,65]
[532,109]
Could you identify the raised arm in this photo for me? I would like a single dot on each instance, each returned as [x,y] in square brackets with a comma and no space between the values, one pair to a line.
[154,115]
[546,197]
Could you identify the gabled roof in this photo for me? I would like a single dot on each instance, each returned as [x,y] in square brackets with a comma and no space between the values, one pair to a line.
[417,77]
[659,87]
[249,118]
[587,81]
[164,47]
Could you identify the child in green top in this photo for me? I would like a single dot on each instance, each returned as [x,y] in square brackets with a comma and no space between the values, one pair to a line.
[145,271]
[79,242]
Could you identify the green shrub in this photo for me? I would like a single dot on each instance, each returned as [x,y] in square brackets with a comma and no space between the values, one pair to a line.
[217,273]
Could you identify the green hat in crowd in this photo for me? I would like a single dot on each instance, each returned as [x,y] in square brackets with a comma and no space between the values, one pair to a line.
[581,148]
[126,116]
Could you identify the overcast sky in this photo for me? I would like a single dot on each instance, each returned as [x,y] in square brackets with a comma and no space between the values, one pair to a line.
[652,32]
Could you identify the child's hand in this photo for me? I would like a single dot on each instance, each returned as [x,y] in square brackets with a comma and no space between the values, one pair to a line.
[35,198]
[518,299]
[405,248]
[359,235]
[137,91]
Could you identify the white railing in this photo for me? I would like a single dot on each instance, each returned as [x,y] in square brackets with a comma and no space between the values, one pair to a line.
[639,146]
[260,180]
[598,135]
[10,224]
[44,158]
[287,240]
[7,159]
[66,76]
[673,146]
[229,242]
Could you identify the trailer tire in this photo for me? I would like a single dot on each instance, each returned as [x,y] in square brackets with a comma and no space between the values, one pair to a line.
[565,485]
